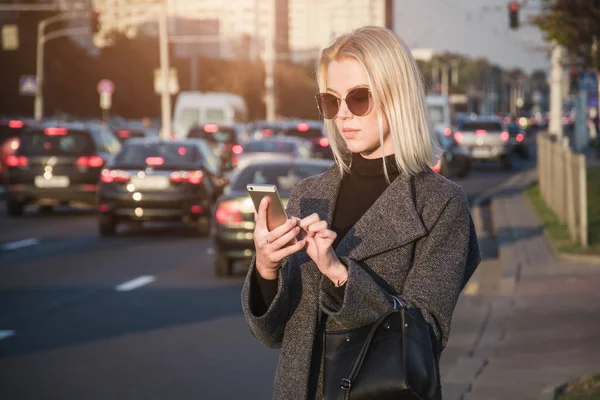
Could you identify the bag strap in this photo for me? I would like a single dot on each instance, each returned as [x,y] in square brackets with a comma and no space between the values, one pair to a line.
[346,383]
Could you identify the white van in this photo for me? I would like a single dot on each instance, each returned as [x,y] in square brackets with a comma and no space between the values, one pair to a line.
[440,113]
[196,108]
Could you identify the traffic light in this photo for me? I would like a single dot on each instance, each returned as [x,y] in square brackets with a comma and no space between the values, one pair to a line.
[513,14]
[95,22]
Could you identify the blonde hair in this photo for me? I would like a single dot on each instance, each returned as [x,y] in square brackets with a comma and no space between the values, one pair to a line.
[398,94]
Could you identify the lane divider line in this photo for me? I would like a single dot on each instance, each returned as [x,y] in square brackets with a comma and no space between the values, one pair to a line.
[135,283]
[20,244]
[6,334]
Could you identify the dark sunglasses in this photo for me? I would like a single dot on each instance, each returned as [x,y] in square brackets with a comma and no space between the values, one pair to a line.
[359,101]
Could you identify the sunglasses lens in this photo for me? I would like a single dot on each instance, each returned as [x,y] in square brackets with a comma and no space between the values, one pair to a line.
[328,105]
[359,101]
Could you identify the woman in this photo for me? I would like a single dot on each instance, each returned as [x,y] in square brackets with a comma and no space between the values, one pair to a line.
[379,223]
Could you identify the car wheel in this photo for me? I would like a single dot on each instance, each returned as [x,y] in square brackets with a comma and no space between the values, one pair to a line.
[506,163]
[203,226]
[14,208]
[223,265]
[107,225]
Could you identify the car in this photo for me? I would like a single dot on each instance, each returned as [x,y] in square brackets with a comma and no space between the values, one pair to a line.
[519,137]
[225,140]
[454,159]
[10,134]
[233,225]
[152,179]
[280,145]
[311,131]
[260,129]
[485,138]
[58,164]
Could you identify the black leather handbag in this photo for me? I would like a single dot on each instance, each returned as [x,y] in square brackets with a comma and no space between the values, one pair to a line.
[389,359]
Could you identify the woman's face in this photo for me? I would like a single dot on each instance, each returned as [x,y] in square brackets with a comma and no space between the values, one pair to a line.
[361,134]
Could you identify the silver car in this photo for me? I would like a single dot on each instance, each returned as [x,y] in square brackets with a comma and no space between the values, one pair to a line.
[485,138]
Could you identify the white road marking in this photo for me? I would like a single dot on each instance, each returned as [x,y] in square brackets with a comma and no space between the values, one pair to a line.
[6,334]
[210,251]
[20,244]
[135,283]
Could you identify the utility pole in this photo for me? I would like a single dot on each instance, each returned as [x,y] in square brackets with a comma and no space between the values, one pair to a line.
[165,132]
[556,100]
[269,60]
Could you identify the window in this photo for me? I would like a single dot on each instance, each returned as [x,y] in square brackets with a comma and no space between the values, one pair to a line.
[214,115]
[474,125]
[173,154]
[269,147]
[436,114]
[282,175]
[70,143]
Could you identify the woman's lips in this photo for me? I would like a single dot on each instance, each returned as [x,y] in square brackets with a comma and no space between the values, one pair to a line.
[349,133]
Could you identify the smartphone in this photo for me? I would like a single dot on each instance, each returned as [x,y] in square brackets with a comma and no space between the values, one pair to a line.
[276,215]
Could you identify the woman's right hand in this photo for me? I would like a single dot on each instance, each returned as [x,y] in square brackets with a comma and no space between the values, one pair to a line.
[273,246]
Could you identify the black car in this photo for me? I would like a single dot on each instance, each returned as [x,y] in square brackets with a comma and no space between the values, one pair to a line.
[234,212]
[454,160]
[10,135]
[152,179]
[313,132]
[57,165]
[520,139]
[225,140]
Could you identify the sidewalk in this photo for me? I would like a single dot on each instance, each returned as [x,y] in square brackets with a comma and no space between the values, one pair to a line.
[544,325]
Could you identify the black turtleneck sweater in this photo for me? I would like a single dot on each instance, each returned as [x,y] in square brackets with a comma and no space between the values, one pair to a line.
[358,191]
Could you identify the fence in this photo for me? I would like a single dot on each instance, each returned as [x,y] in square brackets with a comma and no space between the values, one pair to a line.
[562,181]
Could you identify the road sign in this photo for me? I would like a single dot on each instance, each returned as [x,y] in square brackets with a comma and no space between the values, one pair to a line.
[173,82]
[105,100]
[28,85]
[106,86]
[10,37]
[588,81]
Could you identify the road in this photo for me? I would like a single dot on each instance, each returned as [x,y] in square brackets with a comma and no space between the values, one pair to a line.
[137,316]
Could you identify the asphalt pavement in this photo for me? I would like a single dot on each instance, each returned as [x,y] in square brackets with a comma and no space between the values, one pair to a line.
[142,316]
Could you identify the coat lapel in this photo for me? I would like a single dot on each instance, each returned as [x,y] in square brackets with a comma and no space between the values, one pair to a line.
[391,222]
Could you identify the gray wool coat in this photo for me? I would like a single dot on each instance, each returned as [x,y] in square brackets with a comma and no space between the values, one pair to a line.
[422,248]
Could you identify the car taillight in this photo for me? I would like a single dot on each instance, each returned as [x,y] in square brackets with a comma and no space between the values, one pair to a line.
[458,136]
[55,131]
[481,132]
[155,161]
[504,135]
[303,127]
[237,149]
[324,142]
[228,213]
[15,124]
[193,177]
[520,137]
[124,133]
[447,132]
[17,161]
[90,161]
[114,175]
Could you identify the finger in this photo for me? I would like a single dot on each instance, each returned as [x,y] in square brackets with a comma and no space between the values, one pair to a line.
[289,250]
[283,229]
[261,218]
[327,234]
[285,239]
[317,226]
[311,219]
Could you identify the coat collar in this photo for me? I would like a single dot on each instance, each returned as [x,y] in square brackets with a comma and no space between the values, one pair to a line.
[391,222]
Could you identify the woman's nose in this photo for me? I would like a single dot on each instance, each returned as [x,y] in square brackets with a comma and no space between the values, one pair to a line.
[344,112]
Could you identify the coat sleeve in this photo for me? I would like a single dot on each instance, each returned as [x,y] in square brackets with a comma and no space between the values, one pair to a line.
[443,261]
[268,326]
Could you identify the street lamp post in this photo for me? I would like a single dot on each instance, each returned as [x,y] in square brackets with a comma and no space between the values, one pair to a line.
[164,66]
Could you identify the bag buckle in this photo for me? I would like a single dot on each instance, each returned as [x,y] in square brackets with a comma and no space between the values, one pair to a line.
[346,384]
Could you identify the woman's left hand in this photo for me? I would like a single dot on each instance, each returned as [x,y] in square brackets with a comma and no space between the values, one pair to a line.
[319,239]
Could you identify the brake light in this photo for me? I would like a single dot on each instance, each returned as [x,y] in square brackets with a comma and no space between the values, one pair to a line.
[520,137]
[504,136]
[115,175]
[267,132]
[193,177]
[17,161]
[458,136]
[303,127]
[211,128]
[481,132]
[104,208]
[181,151]
[324,142]
[14,124]
[237,149]
[55,131]
[124,133]
[447,132]
[90,161]
[229,213]
[196,209]
[155,161]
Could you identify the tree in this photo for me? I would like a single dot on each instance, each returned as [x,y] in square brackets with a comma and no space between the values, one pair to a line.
[574,24]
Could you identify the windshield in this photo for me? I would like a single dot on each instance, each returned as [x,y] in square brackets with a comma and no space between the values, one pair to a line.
[283,175]
[474,126]
[172,154]
[68,143]
[214,134]
[263,146]
[304,133]
[188,118]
